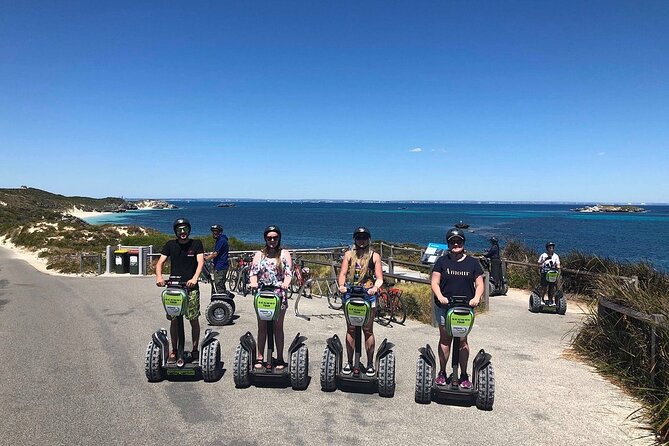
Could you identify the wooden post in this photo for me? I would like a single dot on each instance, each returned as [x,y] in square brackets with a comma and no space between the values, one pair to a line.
[486,290]
[81,263]
[391,266]
[99,264]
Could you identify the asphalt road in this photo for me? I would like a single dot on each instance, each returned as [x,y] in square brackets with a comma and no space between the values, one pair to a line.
[72,372]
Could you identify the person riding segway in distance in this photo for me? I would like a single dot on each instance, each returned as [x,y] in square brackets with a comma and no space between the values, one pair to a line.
[219,256]
[361,266]
[493,255]
[455,274]
[186,261]
[549,260]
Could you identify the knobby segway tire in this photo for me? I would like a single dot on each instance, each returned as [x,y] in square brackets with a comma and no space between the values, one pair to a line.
[153,363]
[211,361]
[535,302]
[491,288]
[219,312]
[561,301]
[329,371]
[423,382]
[386,378]
[299,368]
[486,388]
[240,368]
[505,289]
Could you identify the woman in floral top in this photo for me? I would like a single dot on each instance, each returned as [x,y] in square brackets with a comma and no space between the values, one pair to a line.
[272,266]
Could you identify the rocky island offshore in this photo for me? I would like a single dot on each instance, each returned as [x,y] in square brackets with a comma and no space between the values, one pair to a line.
[610,208]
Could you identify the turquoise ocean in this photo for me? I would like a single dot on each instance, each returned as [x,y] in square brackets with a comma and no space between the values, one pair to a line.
[622,236]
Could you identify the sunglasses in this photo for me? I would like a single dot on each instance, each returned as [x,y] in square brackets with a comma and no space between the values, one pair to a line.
[182,229]
[272,239]
[360,237]
[456,242]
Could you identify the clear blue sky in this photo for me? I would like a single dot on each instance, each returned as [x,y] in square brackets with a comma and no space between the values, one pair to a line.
[444,100]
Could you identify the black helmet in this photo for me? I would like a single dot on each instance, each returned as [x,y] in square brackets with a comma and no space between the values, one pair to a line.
[362,231]
[493,240]
[272,228]
[550,244]
[181,222]
[455,232]
[216,227]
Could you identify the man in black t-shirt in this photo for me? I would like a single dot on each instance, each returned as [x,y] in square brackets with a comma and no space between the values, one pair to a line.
[454,274]
[186,261]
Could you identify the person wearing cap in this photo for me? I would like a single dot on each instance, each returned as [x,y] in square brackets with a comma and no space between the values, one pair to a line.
[547,261]
[186,261]
[454,274]
[495,263]
[219,256]
[361,266]
[272,266]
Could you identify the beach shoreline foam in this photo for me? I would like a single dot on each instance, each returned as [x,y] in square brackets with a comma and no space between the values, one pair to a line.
[76,212]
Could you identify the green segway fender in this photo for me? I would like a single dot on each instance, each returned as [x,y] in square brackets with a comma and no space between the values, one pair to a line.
[357,312]
[267,305]
[175,301]
[552,275]
[459,321]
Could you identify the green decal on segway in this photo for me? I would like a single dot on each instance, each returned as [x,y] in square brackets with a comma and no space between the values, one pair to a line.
[357,313]
[175,301]
[552,275]
[267,307]
[181,372]
[459,322]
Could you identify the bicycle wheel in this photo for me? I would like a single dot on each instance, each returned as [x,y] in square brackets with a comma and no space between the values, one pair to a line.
[233,279]
[399,310]
[334,297]
[384,310]
[289,290]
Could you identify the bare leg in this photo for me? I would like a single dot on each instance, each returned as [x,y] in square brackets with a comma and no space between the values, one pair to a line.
[195,333]
[444,347]
[279,337]
[370,341]
[463,355]
[262,338]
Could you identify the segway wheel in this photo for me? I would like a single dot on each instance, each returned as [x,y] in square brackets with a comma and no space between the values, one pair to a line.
[212,367]
[535,302]
[329,371]
[486,388]
[561,302]
[491,288]
[153,363]
[299,368]
[240,368]
[219,312]
[505,289]
[386,379]
[423,382]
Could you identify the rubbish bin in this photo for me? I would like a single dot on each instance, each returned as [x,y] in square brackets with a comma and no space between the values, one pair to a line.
[121,261]
[133,261]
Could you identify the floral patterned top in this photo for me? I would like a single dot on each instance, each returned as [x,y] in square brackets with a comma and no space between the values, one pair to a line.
[269,274]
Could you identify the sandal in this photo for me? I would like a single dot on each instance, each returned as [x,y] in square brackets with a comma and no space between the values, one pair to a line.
[194,355]
[258,364]
[280,365]
[172,356]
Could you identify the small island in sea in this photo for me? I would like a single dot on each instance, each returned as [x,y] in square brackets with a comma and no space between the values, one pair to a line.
[225,205]
[154,204]
[610,208]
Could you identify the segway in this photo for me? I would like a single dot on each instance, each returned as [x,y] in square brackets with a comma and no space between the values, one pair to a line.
[497,284]
[209,366]
[357,311]
[222,306]
[557,305]
[267,304]
[459,322]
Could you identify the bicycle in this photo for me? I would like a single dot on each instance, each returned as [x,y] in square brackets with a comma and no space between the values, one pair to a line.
[390,306]
[301,278]
[239,277]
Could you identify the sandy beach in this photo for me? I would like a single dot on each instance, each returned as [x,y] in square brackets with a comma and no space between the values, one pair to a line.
[76,212]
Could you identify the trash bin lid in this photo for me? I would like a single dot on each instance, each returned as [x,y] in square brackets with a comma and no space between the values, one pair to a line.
[134,251]
[121,251]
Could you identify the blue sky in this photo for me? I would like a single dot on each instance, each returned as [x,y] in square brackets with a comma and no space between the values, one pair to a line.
[407,100]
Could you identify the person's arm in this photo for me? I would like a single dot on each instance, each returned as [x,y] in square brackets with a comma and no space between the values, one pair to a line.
[159,270]
[541,260]
[288,272]
[341,279]
[212,255]
[253,271]
[479,288]
[378,273]
[557,262]
[435,281]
